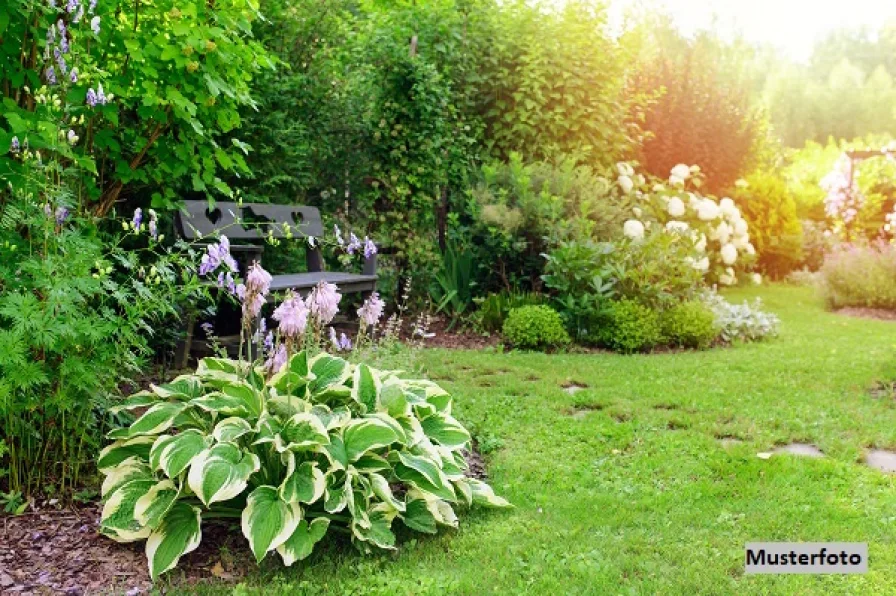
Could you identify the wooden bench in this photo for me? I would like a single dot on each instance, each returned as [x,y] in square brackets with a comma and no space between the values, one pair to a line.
[255,222]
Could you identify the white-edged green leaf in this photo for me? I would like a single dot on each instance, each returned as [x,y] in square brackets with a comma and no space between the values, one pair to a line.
[173,453]
[381,489]
[371,462]
[151,508]
[329,371]
[392,399]
[422,473]
[335,452]
[221,472]
[115,453]
[440,510]
[337,494]
[132,468]
[231,429]
[332,419]
[463,488]
[156,419]
[484,495]
[366,434]
[450,465]
[302,431]
[141,399]
[445,430]
[417,516]
[246,394]
[365,387]
[300,545]
[218,365]
[179,533]
[286,406]
[117,519]
[268,521]
[304,483]
[182,388]
[221,404]
[267,429]
[379,529]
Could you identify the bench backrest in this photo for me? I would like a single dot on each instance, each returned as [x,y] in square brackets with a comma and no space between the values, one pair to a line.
[256,220]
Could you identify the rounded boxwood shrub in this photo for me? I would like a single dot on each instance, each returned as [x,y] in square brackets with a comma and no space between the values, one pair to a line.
[535,327]
[689,324]
[629,326]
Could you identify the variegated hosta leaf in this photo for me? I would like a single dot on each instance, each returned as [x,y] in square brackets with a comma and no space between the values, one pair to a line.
[249,396]
[117,520]
[335,452]
[417,516]
[463,488]
[120,450]
[182,388]
[365,387]
[268,521]
[371,462]
[453,464]
[379,532]
[178,534]
[330,372]
[231,429]
[267,429]
[141,399]
[338,491]
[392,399]
[210,366]
[173,453]
[332,419]
[381,489]
[484,495]
[302,431]
[424,474]
[221,472]
[439,509]
[132,468]
[156,419]
[445,430]
[287,406]
[301,543]
[221,404]
[304,483]
[365,434]
[293,378]
[152,507]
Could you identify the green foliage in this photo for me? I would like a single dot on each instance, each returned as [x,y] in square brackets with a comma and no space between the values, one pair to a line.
[860,276]
[690,324]
[769,209]
[452,290]
[492,310]
[531,327]
[179,72]
[629,326]
[741,322]
[322,444]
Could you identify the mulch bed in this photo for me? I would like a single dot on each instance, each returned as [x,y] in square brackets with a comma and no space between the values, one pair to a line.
[59,551]
[455,338]
[879,314]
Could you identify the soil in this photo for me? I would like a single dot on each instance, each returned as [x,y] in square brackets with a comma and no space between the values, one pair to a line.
[457,337]
[60,551]
[879,314]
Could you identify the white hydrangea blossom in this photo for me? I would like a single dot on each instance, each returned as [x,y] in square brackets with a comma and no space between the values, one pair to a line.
[677,226]
[681,171]
[626,183]
[708,210]
[729,254]
[633,229]
[675,207]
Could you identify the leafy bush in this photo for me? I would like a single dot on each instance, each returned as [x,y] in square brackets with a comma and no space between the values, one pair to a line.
[535,327]
[321,443]
[690,325]
[629,326]
[770,211]
[742,322]
[860,275]
[493,309]
[452,288]
[817,242]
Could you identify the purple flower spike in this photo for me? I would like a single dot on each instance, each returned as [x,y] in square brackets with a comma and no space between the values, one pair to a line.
[95,25]
[208,328]
[73,77]
[91,99]
[345,344]
[369,248]
[61,215]
[72,6]
[51,75]
[61,26]
[92,6]
[14,145]
[353,244]
[138,218]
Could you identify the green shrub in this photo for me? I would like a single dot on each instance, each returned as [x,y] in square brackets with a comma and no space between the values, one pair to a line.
[775,230]
[535,327]
[494,308]
[629,326]
[861,276]
[690,325]
[320,445]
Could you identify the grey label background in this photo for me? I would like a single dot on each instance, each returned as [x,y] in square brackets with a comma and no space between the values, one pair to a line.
[809,548]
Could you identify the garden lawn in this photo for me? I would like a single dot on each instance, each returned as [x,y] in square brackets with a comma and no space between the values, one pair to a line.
[636,493]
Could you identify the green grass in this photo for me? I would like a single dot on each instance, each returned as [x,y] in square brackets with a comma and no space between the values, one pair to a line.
[637,495]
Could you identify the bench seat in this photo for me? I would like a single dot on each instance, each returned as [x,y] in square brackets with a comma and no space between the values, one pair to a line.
[303,282]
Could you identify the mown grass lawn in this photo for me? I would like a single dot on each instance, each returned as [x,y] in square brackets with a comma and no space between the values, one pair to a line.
[637,494]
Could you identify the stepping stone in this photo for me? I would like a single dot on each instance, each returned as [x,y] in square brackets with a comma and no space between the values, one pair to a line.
[572,388]
[803,449]
[881,459]
[729,441]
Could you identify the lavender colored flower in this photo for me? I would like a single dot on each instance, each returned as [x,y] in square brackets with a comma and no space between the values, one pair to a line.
[61,26]
[73,76]
[208,328]
[258,284]
[137,222]
[260,331]
[334,340]
[60,61]
[48,211]
[79,15]
[61,215]
[277,360]
[63,44]
[372,310]
[14,145]
[216,255]
[100,96]
[95,25]
[339,240]
[50,75]
[92,6]
[91,99]
[153,224]
[72,6]
[323,302]
[51,36]
[369,248]
[72,137]
[353,244]
[292,314]
[345,344]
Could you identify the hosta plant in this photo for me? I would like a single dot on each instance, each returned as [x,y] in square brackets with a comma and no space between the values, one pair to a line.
[320,445]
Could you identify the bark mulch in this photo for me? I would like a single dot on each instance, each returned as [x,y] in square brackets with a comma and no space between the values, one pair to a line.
[59,551]
[868,313]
